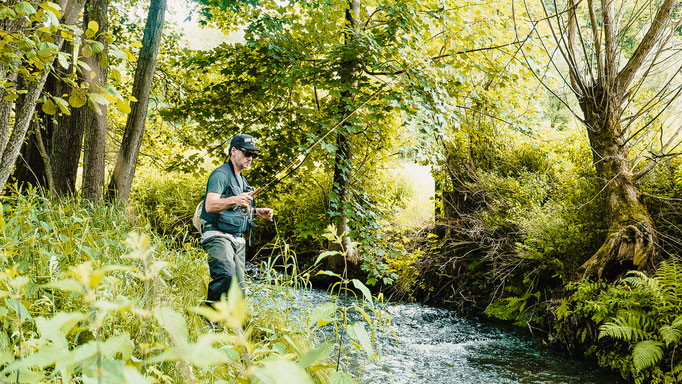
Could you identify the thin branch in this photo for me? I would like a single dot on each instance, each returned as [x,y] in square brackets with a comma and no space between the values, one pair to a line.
[610,45]
[436,58]
[596,37]
[574,68]
[654,160]
[650,39]
[552,62]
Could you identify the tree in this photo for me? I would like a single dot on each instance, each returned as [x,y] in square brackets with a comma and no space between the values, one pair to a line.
[50,155]
[349,70]
[626,84]
[124,171]
[95,123]
[301,70]
[31,52]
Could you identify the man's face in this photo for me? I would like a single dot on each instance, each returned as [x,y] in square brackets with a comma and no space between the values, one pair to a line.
[240,159]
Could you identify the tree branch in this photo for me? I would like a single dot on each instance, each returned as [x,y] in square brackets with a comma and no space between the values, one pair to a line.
[597,42]
[610,47]
[624,78]
[436,58]
[654,160]
[574,69]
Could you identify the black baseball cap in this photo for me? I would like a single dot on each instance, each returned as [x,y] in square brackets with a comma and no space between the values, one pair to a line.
[244,141]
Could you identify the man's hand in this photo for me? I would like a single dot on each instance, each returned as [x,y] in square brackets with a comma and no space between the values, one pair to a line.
[244,199]
[265,213]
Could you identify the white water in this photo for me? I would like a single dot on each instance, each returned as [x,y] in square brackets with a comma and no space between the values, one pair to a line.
[436,346]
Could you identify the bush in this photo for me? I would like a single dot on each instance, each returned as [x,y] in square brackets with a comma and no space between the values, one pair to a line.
[167,202]
[639,322]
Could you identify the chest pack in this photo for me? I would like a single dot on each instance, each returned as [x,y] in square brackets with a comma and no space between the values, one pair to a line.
[235,220]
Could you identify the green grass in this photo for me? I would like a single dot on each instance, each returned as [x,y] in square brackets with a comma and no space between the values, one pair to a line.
[89,293]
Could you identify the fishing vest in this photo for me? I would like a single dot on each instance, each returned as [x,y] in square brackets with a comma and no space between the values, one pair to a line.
[234,220]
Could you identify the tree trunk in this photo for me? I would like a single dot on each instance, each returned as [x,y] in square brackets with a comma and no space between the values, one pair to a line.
[124,171]
[8,27]
[25,109]
[30,166]
[50,156]
[343,160]
[603,90]
[631,236]
[65,143]
[95,125]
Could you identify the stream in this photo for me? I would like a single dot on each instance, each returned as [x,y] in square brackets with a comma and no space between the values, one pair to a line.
[436,346]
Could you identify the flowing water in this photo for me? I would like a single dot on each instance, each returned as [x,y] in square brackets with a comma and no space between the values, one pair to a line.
[436,346]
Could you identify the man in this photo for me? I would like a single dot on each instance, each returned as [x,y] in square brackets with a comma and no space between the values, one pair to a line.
[226,215]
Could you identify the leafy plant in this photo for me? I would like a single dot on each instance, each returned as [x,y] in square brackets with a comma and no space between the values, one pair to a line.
[643,313]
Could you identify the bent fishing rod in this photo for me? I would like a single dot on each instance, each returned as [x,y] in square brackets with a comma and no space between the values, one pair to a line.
[302,157]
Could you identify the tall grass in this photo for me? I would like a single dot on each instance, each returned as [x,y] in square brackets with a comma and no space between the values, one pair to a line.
[90,294]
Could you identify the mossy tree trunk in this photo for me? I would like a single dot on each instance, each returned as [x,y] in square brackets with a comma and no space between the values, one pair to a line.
[631,235]
[608,86]
[343,160]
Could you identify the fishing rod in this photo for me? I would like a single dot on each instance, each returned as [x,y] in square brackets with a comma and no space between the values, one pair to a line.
[301,158]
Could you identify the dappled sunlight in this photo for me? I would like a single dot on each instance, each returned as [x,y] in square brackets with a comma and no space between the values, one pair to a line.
[419,210]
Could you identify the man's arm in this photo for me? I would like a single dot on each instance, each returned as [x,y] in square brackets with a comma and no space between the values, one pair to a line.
[215,203]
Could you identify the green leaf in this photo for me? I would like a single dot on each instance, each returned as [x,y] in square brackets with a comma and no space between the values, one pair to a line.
[96,47]
[123,106]
[63,59]
[118,344]
[173,323]
[24,8]
[281,371]
[315,355]
[670,335]
[98,98]
[86,51]
[358,333]
[322,315]
[92,25]
[77,99]
[324,255]
[67,285]
[646,354]
[328,273]
[202,353]
[48,107]
[52,7]
[677,323]
[365,291]
[92,29]
[19,309]
[342,378]
[63,105]
[24,376]
[94,106]
[40,359]
[56,328]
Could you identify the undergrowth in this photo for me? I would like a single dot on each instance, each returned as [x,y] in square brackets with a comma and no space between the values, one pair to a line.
[89,293]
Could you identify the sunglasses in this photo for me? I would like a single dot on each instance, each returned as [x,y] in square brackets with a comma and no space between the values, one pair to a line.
[248,153]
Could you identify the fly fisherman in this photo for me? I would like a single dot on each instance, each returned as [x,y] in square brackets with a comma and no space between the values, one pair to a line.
[227,214]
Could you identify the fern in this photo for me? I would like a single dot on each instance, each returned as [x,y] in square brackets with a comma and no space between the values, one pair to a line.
[670,335]
[677,323]
[646,354]
[637,279]
[629,328]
